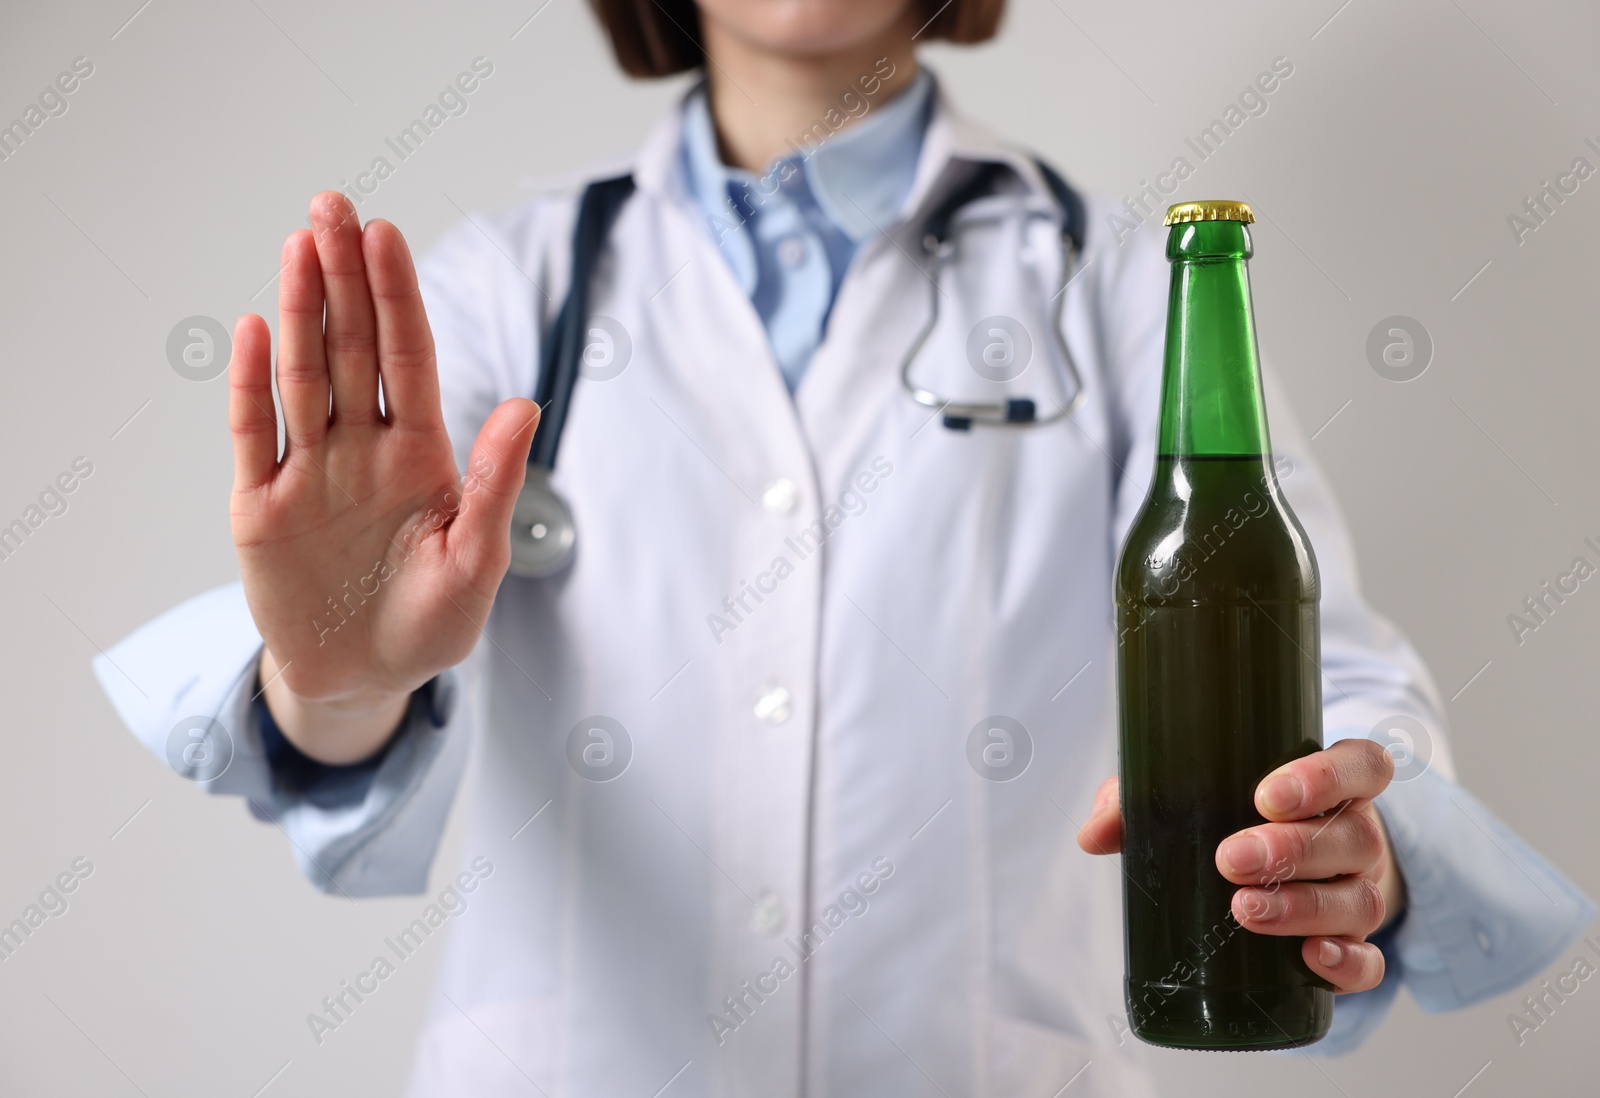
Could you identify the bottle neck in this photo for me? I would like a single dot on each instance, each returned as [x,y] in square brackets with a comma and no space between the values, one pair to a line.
[1211,401]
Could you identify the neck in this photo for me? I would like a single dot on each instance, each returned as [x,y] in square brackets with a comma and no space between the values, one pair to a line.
[766,103]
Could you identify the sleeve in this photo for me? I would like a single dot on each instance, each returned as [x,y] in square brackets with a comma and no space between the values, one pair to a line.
[1485,912]
[185,685]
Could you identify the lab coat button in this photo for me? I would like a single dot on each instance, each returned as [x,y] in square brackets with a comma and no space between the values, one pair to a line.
[766,918]
[780,496]
[773,705]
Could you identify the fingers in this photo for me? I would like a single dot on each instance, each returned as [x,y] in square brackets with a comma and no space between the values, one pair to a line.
[480,537]
[405,341]
[302,367]
[1345,963]
[251,419]
[1351,906]
[1350,769]
[1350,841]
[1101,833]
[350,338]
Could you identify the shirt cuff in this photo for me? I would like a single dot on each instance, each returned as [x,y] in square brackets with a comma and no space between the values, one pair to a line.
[343,821]
[1485,912]
[326,785]
[186,684]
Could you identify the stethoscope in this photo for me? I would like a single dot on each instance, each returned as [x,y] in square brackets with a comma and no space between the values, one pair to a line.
[543,534]
[939,245]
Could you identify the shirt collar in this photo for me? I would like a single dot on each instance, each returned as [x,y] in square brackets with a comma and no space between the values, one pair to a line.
[859,176]
[659,164]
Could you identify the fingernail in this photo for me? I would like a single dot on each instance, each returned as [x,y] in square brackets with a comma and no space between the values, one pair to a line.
[1282,794]
[1244,854]
[1258,906]
[1329,953]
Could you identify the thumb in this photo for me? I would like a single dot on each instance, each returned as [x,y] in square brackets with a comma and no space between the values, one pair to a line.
[480,537]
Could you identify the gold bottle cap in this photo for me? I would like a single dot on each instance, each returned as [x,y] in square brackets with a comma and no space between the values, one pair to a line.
[1211,209]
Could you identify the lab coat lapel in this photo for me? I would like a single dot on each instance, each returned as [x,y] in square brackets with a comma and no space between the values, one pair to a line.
[710,343]
[885,301]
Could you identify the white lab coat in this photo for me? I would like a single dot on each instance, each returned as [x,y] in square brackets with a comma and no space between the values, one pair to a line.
[816,741]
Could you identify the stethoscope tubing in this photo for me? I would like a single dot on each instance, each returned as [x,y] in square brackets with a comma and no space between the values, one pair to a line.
[961,415]
[543,531]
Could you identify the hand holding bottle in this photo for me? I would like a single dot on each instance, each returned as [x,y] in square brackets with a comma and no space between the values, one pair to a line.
[1321,868]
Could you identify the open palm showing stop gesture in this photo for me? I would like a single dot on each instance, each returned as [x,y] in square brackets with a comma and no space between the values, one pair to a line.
[369,563]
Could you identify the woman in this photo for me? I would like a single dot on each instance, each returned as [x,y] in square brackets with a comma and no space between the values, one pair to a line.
[732,827]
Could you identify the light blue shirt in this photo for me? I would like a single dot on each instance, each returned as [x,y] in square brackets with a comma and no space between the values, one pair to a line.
[789,234]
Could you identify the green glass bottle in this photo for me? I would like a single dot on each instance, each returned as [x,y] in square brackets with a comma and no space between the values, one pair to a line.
[1218,670]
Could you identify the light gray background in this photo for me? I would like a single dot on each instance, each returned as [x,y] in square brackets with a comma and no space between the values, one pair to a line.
[1384,171]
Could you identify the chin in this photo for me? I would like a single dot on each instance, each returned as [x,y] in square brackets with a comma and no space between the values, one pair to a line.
[806,28]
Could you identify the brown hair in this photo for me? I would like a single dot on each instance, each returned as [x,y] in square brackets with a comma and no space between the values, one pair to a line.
[662,37]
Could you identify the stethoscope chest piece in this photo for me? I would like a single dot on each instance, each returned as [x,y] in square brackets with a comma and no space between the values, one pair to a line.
[543,535]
